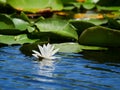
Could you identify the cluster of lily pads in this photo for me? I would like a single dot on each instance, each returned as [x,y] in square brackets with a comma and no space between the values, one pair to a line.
[40,5]
[70,35]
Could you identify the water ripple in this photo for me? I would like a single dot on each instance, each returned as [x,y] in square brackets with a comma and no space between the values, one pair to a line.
[71,72]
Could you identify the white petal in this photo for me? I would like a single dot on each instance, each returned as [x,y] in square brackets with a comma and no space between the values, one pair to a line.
[36,52]
[44,46]
[48,46]
[41,50]
[35,55]
[45,49]
[54,51]
[52,47]
[49,51]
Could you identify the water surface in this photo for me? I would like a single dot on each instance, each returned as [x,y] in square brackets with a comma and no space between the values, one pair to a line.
[86,71]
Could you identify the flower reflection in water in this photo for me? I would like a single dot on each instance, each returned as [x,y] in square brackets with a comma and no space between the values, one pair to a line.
[47,65]
[46,68]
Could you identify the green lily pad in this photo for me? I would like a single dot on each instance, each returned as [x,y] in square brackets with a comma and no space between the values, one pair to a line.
[69,47]
[70,4]
[57,27]
[81,25]
[88,5]
[92,48]
[27,48]
[24,17]
[9,26]
[6,22]
[100,36]
[35,5]
[98,21]
[19,39]
[72,47]
[20,24]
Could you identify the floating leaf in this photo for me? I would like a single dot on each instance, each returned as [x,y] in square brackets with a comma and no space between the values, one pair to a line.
[6,22]
[27,48]
[58,27]
[24,17]
[113,8]
[88,5]
[19,39]
[81,25]
[9,26]
[98,21]
[72,47]
[20,24]
[100,36]
[35,6]
[69,47]
[84,47]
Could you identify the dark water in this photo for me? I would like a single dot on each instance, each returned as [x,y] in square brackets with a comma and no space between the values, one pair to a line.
[87,71]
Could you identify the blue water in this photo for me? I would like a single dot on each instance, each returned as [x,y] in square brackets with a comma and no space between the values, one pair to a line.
[85,71]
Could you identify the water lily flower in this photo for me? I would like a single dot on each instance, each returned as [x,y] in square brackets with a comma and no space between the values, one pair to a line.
[46,52]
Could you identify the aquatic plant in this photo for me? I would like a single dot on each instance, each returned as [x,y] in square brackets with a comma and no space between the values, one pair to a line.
[46,52]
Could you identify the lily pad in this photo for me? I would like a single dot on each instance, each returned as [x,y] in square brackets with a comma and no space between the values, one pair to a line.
[19,39]
[20,24]
[69,47]
[100,36]
[92,48]
[81,25]
[9,26]
[6,22]
[27,48]
[72,47]
[35,6]
[98,21]
[58,27]
[88,5]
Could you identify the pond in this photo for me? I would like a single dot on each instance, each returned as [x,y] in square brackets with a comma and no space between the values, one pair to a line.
[90,70]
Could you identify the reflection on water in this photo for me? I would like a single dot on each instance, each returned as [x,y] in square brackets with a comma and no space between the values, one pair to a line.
[103,56]
[46,67]
[91,70]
